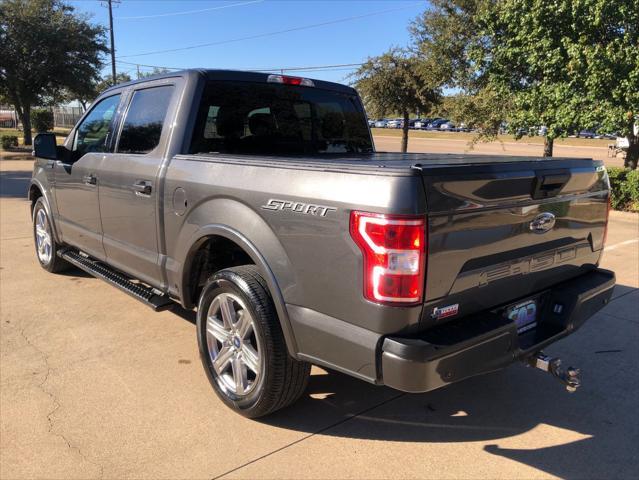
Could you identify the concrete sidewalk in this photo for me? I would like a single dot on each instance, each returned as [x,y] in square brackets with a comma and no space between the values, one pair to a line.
[95,385]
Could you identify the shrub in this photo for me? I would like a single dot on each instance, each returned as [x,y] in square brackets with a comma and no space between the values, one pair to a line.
[624,189]
[42,119]
[8,141]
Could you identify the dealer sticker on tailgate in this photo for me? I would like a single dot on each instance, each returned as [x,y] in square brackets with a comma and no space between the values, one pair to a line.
[524,315]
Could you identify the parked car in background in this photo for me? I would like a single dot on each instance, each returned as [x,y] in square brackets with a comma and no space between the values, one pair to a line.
[435,124]
[371,123]
[395,123]
[586,134]
[422,123]
[610,136]
[448,126]
[543,131]
[381,123]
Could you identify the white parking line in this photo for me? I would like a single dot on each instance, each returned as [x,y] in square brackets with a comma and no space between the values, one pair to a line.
[620,244]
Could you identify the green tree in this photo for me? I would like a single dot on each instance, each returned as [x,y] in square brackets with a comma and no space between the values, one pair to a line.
[446,36]
[566,64]
[450,46]
[394,82]
[107,82]
[47,50]
[155,71]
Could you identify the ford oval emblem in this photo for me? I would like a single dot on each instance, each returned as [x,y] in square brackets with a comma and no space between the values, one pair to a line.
[542,222]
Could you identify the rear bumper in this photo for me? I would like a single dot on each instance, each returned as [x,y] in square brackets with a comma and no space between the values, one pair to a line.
[486,342]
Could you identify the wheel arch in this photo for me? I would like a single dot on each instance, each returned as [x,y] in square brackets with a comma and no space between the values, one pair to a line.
[37,190]
[212,231]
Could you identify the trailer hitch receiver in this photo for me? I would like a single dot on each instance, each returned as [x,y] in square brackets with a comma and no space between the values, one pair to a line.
[569,377]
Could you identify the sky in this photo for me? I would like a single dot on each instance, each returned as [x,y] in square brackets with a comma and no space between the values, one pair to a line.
[285,33]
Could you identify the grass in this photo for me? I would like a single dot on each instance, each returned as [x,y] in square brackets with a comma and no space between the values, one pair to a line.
[467,136]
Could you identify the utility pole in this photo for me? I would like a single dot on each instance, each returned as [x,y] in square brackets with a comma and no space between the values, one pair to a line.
[138,71]
[110,5]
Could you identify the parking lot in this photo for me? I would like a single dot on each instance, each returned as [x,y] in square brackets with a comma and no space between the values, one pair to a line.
[453,142]
[93,384]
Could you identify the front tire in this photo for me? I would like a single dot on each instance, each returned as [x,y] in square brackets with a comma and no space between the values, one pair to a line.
[45,244]
[242,346]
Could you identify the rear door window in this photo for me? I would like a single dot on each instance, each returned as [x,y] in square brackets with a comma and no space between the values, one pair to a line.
[142,127]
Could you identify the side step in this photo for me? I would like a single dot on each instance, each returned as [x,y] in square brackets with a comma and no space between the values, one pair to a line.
[146,295]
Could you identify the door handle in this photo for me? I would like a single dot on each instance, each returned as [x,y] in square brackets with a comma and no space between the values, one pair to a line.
[143,188]
[90,179]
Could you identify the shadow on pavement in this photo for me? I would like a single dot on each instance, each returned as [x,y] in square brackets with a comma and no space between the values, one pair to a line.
[601,420]
[14,184]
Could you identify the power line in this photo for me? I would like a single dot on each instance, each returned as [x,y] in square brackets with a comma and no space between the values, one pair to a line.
[313,68]
[277,32]
[188,12]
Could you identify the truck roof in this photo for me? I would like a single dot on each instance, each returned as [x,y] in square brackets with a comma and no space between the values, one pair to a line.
[236,76]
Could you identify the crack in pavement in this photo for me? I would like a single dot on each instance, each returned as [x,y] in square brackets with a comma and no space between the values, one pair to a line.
[305,437]
[56,405]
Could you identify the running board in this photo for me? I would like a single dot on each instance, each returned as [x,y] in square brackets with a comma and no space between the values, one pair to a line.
[146,295]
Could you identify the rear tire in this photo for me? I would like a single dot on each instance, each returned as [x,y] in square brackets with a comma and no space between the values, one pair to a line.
[242,346]
[45,245]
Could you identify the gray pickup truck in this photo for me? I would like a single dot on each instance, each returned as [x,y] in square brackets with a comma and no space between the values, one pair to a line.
[260,200]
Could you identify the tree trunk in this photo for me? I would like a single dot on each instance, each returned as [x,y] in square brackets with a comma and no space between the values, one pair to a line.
[548,143]
[632,155]
[405,133]
[26,124]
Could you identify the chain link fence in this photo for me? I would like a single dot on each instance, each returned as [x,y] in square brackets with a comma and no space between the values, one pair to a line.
[66,117]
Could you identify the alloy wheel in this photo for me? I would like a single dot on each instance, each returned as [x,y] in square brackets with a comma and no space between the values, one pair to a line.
[43,237]
[233,345]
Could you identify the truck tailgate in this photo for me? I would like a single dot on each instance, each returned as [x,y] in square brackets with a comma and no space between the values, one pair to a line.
[501,232]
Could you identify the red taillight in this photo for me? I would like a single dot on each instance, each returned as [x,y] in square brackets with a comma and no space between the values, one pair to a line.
[605,236]
[394,249]
[286,80]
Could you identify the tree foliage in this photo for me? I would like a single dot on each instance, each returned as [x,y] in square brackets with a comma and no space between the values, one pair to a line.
[42,119]
[107,82]
[395,82]
[565,64]
[48,51]
[446,38]
[155,71]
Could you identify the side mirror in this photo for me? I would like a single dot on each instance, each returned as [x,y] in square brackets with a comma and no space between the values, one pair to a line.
[44,146]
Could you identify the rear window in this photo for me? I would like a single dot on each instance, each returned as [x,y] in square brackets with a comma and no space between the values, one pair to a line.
[272,119]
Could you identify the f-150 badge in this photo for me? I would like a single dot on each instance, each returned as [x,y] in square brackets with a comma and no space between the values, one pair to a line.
[298,207]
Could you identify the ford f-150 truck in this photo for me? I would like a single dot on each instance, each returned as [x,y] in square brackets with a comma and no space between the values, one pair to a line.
[260,200]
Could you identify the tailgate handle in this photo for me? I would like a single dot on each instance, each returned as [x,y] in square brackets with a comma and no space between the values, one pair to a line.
[549,184]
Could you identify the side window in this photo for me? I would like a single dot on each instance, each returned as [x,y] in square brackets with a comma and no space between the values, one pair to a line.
[91,134]
[144,120]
